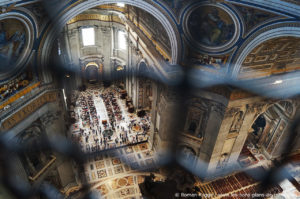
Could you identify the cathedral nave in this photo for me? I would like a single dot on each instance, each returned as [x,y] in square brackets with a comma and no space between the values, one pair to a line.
[149,99]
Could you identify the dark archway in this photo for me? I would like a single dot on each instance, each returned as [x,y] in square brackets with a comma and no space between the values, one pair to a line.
[91,73]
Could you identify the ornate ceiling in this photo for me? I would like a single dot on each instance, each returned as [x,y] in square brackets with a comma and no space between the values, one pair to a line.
[275,56]
[223,43]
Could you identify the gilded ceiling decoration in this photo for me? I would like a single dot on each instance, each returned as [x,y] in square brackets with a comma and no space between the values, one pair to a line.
[211,26]
[275,56]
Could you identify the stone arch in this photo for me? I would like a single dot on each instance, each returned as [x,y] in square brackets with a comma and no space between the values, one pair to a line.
[143,67]
[288,106]
[267,136]
[257,38]
[61,20]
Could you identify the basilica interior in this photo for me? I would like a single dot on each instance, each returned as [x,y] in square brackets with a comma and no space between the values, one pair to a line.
[149,99]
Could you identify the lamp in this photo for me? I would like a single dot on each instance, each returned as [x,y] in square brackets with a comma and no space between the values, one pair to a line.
[120,68]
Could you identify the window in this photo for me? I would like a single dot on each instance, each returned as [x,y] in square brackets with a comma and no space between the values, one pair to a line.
[121,4]
[88,36]
[122,40]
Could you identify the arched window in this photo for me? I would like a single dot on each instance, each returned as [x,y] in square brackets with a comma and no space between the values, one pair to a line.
[122,40]
[88,36]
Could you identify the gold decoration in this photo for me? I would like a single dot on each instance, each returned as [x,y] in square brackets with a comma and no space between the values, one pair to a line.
[29,109]
[20,94]
[91,64]
[120,68]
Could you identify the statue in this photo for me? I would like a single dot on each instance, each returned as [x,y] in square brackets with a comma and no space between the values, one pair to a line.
[237,122]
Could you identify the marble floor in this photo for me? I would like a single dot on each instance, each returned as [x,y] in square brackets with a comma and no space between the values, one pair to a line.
[254,158]
[117,173]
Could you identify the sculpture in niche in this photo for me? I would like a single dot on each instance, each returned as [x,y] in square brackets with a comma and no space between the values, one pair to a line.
[237,122]
[259,126]
[34,159]
[211,26]
[223,160]
[12,43]
[197,118]
[194,121]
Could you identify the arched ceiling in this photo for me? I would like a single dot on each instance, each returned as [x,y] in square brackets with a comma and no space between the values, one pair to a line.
[275,56]
[250,17]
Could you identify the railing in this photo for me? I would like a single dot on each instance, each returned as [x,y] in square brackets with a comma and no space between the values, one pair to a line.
[25,99]
[43,170]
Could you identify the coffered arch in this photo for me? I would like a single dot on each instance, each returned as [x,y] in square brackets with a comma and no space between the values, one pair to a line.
[255,41]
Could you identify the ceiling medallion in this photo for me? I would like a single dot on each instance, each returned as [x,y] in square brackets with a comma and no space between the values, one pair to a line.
[15,44]
[211,27]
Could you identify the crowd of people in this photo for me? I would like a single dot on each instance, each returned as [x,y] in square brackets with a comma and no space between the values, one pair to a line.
[112,107]
[101,121]
[88,111]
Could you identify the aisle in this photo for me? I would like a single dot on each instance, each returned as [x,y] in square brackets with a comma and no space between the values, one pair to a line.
[102,121]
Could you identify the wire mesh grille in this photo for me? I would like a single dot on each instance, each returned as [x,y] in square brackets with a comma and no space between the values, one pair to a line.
[181,83]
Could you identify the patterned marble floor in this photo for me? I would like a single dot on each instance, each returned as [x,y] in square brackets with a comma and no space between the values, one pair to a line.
[118,173]
[120,161]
